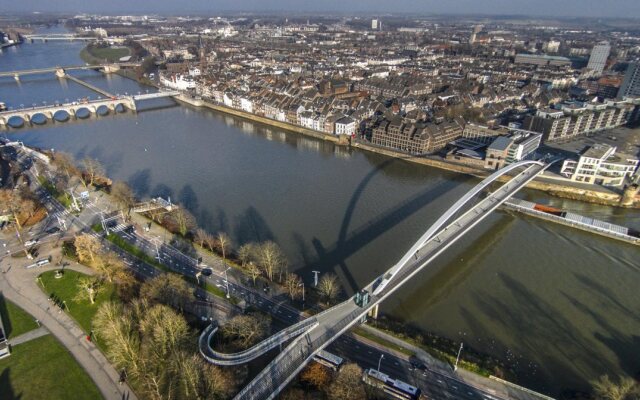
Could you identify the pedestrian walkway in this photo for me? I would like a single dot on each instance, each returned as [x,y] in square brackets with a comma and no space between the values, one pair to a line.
[25,337]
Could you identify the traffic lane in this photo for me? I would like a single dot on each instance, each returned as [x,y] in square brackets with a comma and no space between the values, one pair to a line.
[433,385]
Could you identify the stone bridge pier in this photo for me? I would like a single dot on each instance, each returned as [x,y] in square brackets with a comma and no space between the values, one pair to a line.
[110,69]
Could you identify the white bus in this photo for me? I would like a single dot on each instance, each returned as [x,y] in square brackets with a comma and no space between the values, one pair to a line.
[328,360]
[394,387]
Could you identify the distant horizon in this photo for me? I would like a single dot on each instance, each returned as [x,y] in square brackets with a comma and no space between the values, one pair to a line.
[605,9]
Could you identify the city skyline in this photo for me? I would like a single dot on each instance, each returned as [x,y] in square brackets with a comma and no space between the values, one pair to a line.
[569,8]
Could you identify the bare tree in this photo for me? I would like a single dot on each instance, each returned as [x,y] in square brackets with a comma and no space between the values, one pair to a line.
[92,169]
[183,219]
[168,289]
[246,253]
[224,243]
[66,163]
[88,286]
[13,202]
[271,258]
[293,284]
[624,388]
[118,327]
[246,330]
[329,287]
[253,270]
[109,265]
[123,196]
[200,236]
[348,384]
[210,241]
[317,375]
[87,248]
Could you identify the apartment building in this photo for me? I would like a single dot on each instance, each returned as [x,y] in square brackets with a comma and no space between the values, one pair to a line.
[558,125]
[601,165]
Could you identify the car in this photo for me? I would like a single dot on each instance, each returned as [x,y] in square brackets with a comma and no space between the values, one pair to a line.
[207,271]
[52,230]
[29,243]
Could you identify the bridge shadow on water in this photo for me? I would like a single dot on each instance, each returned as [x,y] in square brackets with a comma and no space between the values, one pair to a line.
[350,242]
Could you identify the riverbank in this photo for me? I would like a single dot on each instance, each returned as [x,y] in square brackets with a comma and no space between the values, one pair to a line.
[569,191]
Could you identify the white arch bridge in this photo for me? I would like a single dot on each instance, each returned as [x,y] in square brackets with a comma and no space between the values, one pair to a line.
[315,333]
[70,110]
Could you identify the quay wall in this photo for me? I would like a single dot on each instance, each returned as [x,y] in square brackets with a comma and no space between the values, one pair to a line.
[260,119]
[594,195]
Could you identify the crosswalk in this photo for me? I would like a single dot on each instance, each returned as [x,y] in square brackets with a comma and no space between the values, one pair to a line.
[118,228]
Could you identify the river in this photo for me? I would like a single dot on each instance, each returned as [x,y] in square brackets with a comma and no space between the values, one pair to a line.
[560,305]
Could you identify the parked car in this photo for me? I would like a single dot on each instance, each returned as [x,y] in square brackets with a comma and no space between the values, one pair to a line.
[30,243]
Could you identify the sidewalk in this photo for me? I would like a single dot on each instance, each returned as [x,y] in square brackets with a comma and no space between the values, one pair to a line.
[507,390]
[25,337]
[19,286]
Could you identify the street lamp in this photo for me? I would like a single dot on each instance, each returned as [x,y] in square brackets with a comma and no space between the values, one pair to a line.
[302,284]
[226,278]
[380,361]
[315,278]
[455,367]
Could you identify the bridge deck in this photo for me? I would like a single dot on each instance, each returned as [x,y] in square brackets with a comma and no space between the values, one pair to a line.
[89,86]
[331,325]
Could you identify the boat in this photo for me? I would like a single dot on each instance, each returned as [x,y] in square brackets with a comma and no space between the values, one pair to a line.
[3,107]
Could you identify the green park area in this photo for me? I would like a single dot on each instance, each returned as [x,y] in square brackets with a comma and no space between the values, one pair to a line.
[65,291]
[99,54]
[16,321]
[43,369]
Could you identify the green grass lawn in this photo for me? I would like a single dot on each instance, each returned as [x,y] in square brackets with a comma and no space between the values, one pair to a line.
[66,289]
[62,198]
[43,369]
[108,53]
[16,321]
[367,335]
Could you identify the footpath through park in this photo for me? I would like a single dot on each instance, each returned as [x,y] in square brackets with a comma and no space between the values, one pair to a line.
[18,284]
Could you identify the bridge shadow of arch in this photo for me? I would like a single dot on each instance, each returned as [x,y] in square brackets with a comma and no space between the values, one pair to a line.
[567,348]
[624,347]
[349,242]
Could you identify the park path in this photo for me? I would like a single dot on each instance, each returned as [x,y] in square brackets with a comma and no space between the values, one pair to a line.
[18,284]
[32,334]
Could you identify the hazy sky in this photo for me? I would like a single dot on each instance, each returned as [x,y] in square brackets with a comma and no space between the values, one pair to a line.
[591,8]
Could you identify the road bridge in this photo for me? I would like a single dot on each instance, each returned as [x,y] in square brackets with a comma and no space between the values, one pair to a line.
[111,104]
[69,109]
[89,86]
[61,70]
[330,324]
[60,36]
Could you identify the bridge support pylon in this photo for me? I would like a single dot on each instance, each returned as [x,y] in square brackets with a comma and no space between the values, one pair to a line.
[374,312]
[109,69]
[60,73]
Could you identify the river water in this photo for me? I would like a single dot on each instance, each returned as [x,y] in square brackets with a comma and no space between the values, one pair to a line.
[560,305]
